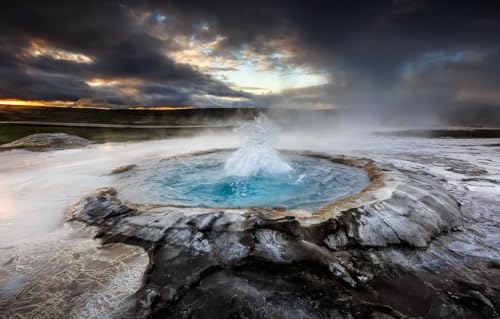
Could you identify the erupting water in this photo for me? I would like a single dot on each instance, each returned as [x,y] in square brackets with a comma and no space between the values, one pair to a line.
[257,154]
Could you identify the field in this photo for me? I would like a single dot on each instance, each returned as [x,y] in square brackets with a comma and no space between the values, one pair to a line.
[17,122]
[136,125]
[11,132]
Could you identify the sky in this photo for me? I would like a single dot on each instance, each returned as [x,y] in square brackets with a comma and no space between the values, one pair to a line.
[397,54]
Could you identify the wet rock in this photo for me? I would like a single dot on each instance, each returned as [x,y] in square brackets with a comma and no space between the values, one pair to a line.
[97,207]
[123,169]
[360,258]
[79,278]
[337,240]
[46,142]
[417,210]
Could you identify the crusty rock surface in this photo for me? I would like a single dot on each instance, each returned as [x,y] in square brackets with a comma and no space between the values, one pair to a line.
[98,208]
[358,258]
[123,169]
[46,142]
[418,210]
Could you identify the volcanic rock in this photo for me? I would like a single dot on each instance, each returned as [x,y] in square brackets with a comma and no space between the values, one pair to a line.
[359,257]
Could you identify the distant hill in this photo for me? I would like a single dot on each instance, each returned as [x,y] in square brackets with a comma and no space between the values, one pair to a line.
[458,114]
[193,116]
[122,116]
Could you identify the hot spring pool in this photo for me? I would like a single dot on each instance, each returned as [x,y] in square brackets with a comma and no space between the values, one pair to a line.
[202,181]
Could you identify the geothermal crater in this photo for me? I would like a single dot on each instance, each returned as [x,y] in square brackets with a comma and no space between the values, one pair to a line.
[205,180]
[381,249]
[207,261]
[272,235]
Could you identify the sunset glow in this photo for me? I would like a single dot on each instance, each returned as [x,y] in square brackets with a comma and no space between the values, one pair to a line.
[82,105]
[19,102]
[160,108]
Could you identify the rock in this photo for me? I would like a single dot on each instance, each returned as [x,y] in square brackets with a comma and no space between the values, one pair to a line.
[123,169]
[97,207]
[409,209]
[46,142]
[337,240]
[358,258]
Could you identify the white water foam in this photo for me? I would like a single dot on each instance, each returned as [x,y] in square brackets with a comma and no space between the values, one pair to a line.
[257,154]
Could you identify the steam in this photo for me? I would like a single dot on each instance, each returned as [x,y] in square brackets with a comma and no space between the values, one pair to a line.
[257,155]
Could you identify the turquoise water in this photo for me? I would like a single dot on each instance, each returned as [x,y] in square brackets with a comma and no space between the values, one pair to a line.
[202,181]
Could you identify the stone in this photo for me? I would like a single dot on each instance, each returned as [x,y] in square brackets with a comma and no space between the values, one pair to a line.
[46,142]
[123,169]
[360,257]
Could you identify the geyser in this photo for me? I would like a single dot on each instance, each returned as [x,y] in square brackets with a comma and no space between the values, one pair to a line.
[255,175]
[202,181]
[257,154]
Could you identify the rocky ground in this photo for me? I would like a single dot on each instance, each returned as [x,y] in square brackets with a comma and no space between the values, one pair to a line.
[422,242]
[349,260]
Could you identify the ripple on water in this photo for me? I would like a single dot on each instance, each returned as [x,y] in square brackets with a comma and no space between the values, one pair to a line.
[202,181]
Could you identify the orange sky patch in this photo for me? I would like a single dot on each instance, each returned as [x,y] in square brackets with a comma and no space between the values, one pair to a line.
[160,108]
[11,102]
[20,102]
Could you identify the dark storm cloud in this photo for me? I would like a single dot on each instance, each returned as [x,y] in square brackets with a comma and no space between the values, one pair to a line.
[102,31]
[369,46]
[401,53]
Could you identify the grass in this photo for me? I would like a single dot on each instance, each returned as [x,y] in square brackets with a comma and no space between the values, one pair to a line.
[11,132]
[209,116]
[123,116]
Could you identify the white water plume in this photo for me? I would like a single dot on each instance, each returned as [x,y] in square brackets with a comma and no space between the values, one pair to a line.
[257,153]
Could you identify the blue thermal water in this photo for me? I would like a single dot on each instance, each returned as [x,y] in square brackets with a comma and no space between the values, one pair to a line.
[202,180]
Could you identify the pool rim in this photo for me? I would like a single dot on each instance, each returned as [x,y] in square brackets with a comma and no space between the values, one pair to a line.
[382,182]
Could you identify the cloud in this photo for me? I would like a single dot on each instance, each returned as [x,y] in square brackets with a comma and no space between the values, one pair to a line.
[375,55]
[364,47]
[54,51]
